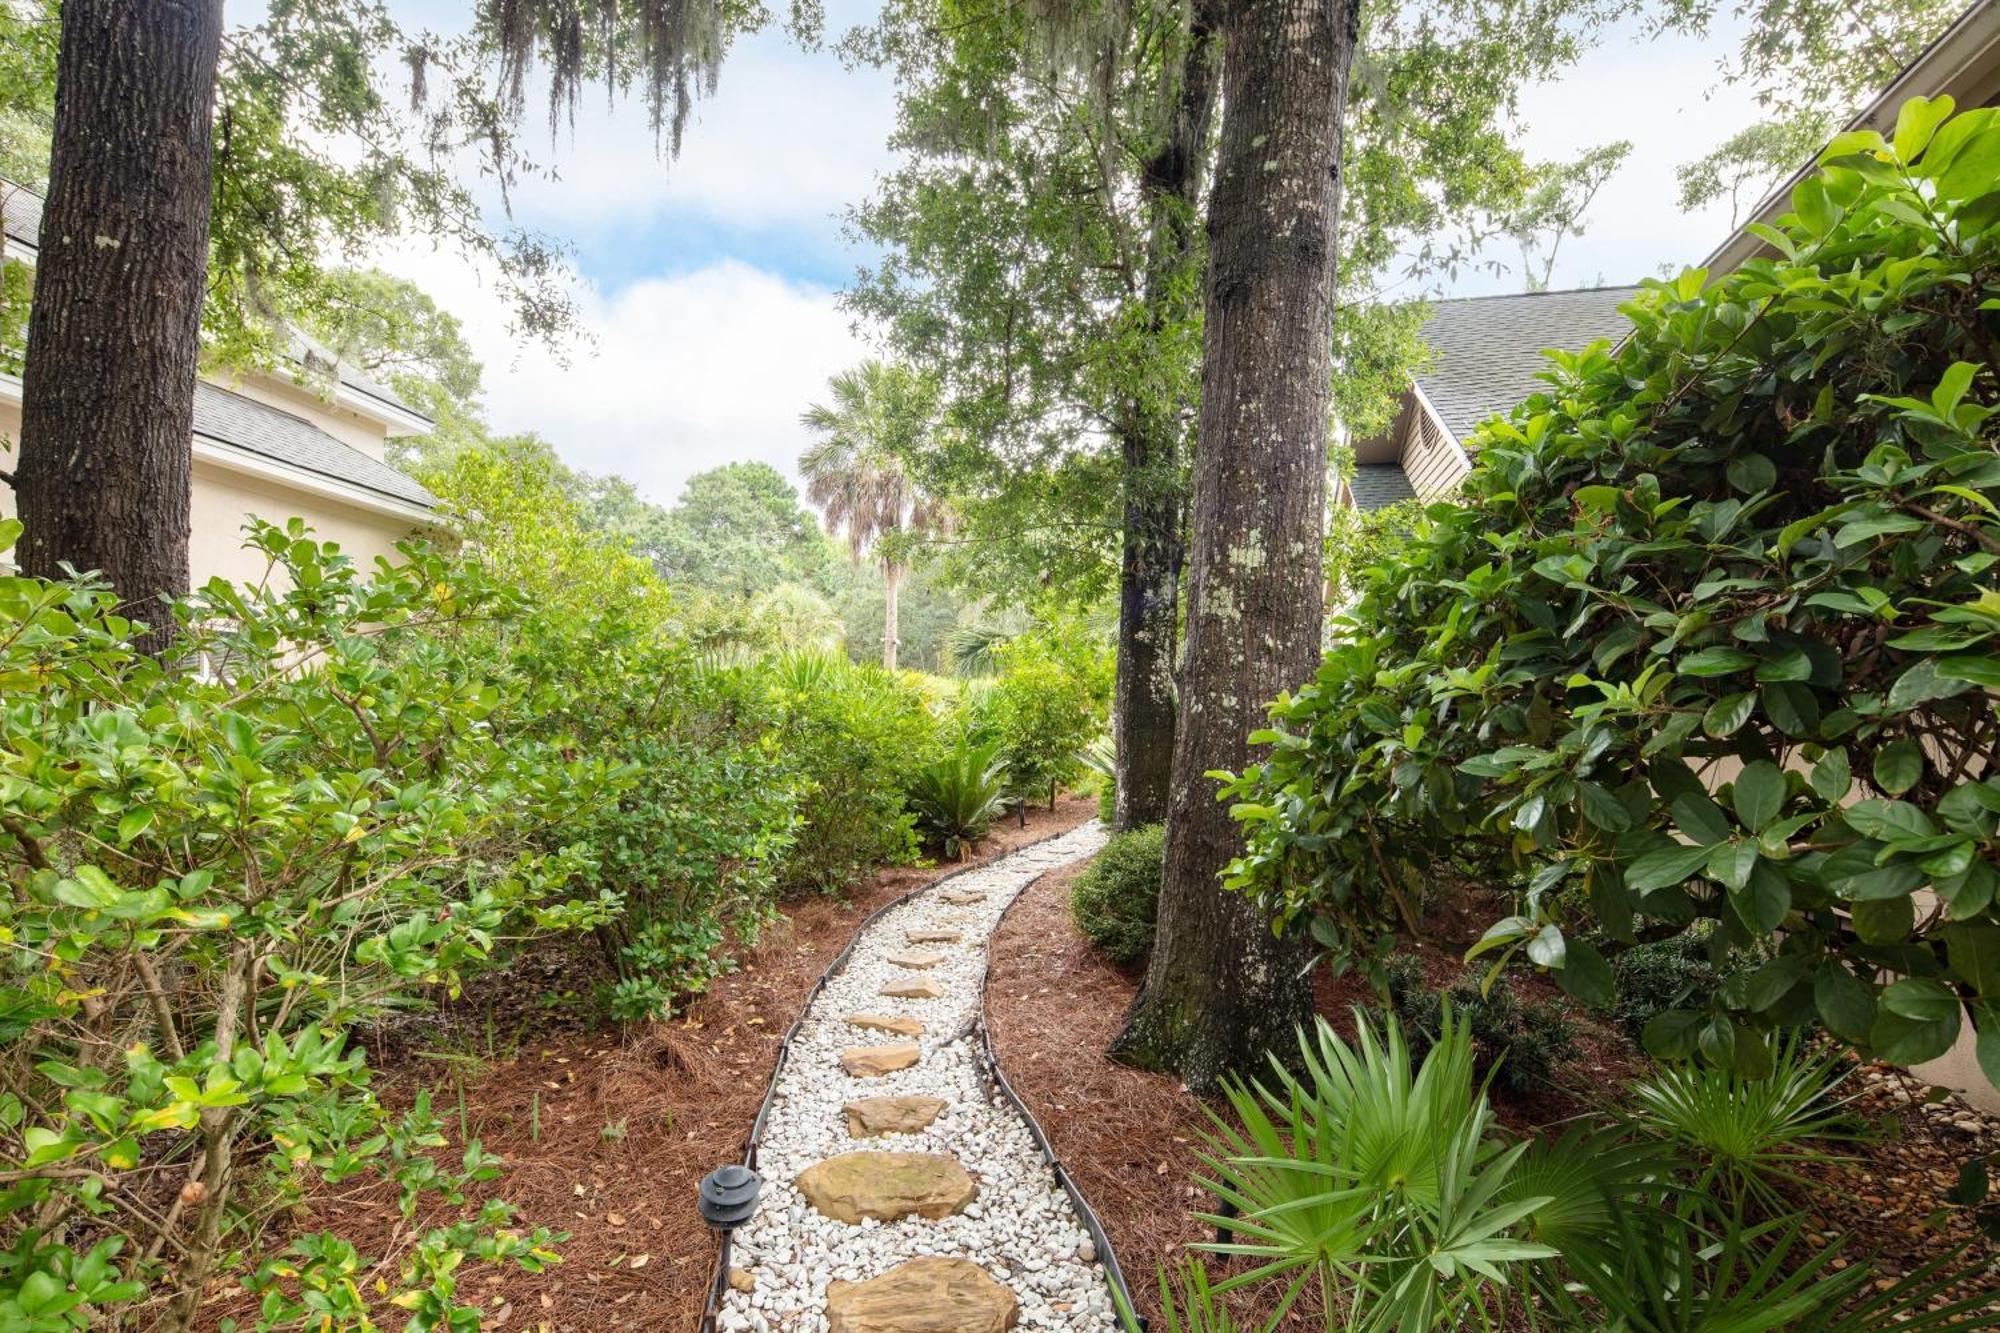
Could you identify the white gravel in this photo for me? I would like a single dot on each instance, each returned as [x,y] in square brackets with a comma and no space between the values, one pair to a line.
[1021,1227]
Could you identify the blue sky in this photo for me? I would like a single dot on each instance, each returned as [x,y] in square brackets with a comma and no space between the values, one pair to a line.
[710,283]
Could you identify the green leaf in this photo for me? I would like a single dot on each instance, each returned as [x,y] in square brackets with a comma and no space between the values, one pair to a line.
[1672,1033]
[1732,862]
[1921,998]
[1831,777]
[1765,901]
[1752,473]
[1899,765]
[1846,1003]
[1909,1041]
[1726,716]
[1701,818]
[1791,708]
[1974,954]
[1916,121]
[1884,920]
[1758,795]
[1586,976]
[1718,661]
[1602,809]
[134,822]
[1664,867]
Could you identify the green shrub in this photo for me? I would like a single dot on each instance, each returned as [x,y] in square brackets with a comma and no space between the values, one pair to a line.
[851,738]
[956,798]
[1526,1043]
[1656,976]
[1116,901]
[1711,636]
[328,804]
[1046,707]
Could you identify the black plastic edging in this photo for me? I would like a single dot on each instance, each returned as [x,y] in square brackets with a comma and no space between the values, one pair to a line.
[720,1284]
[997,1079]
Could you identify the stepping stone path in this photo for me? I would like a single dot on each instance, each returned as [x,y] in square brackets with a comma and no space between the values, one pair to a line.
[923,1296]
[917,960]
[875,1061]
[962,1228]
[900,1024]
[892,1115]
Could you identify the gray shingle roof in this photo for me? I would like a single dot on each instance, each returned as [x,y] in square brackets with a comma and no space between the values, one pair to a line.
[1379,485]
[230,418]
[1489,348]
[21,210]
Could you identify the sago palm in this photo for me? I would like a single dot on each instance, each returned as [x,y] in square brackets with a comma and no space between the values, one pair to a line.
[855,473]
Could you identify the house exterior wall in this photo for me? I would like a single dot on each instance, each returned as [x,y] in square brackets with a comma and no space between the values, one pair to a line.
[223,499]
[1432,460]
[370,437]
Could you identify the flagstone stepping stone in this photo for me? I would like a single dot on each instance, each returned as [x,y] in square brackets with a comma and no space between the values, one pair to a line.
[925,989]
[917,960]
[901,1025]
[887,1186]
[933,936]
[875,1061]
[923,1296]
[962,897]
[870,1116]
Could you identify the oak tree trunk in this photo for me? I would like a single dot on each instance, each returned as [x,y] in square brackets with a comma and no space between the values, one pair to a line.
[113,335]
[1155,491]
[1220,989]
[892,585]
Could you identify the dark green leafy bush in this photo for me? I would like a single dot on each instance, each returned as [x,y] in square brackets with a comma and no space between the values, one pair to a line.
[1711,636]
[850,738]
[329,804]
[1116,901]
[1528,1042]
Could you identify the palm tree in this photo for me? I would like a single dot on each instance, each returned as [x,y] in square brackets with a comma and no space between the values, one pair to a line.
[855,471]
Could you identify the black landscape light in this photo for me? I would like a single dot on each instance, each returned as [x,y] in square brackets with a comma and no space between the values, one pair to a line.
[729,1196]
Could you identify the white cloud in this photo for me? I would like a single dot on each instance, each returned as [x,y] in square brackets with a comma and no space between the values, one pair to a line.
[684,373]
[790,136]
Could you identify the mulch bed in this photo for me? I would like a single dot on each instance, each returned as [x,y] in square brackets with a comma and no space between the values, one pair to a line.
[606,1136]
[1129,1138]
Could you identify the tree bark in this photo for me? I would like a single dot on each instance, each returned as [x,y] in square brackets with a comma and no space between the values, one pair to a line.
[892,586]
[1155,491]
[113,336]
[1220,989]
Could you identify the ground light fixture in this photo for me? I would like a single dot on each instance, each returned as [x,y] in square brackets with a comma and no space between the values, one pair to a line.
[729,1196]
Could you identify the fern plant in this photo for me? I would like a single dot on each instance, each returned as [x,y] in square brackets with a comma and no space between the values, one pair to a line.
[1380,1183]
[956,798]
[1749,1135]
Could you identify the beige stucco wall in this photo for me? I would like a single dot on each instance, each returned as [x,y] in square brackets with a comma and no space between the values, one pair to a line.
[223,500]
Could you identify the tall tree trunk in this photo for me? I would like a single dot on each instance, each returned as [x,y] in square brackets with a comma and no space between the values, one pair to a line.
[892,587]
[1155,494]
[113,336]
[1219,989]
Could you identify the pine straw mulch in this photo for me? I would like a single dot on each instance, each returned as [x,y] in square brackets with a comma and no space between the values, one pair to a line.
[628,1125]
[1129,1139]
